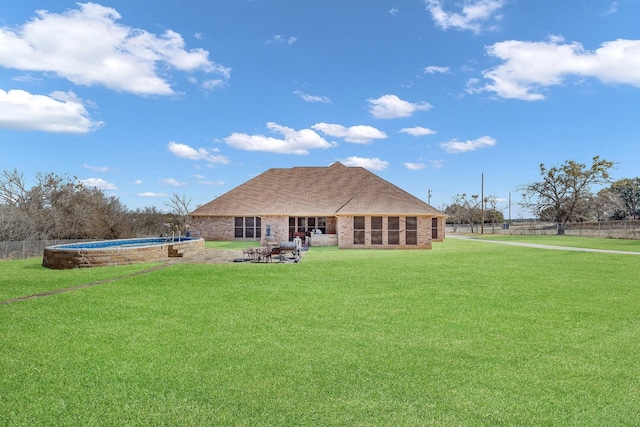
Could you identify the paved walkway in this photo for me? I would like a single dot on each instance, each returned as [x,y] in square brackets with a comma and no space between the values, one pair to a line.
[538,246]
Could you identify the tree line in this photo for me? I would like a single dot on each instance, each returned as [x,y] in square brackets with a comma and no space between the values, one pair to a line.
[563,194]
[60,207]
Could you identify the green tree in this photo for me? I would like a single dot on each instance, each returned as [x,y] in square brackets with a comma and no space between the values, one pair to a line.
[629,191]
[564,192]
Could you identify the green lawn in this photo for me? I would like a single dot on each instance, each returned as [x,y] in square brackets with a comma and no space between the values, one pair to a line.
[570,241]
[465,334]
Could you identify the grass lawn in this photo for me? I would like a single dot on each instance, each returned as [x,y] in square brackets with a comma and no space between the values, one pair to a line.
[465,334]
[570,241]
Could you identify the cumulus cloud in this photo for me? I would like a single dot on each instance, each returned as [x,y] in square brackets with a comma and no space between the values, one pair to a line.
[394,11]
[454,146]
[98,183]
[475,16]
[392,107]
[184,151]
[312,98]
[358,134]
[60,112]
[529,67]
[291,141]
[88,46]
[415,166]
[418,131]
[371,164]
[432,69]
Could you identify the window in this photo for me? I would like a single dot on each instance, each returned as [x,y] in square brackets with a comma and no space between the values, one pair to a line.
[358,230]
[393,232]
[322,224]
[306,225]
[376,230]
[434,228]
[247,227]
[411,233]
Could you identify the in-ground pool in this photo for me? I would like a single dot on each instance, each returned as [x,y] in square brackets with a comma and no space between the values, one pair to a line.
[117,252]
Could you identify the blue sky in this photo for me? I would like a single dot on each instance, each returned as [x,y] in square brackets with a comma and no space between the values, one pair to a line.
[148,98]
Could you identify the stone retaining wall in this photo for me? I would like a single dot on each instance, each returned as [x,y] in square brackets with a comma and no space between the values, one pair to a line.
[64,258]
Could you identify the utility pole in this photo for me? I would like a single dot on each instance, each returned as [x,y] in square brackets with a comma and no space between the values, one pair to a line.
[428,196]
[482,206]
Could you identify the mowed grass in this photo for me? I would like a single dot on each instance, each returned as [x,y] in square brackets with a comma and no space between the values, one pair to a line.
[568,241]
[469,333]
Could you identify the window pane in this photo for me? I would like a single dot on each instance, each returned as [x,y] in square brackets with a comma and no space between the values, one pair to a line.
[412,237]
[412,223]
[394,223]
[434,228]
[376,237]
[394,237]
[248,232]
[239,233]
[258,221]
[358,237]
[292,221]
[248,222]
[358,223]
[239,221]
[311,222]
[376,223]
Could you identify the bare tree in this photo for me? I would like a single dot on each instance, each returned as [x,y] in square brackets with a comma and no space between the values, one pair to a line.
[179,207]
[607,204]
[465,210]
[13,188]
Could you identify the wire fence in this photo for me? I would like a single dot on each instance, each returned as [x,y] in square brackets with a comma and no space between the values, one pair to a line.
[624,229]
[30,248]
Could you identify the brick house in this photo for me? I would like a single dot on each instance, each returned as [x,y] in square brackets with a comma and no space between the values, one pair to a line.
[348,207]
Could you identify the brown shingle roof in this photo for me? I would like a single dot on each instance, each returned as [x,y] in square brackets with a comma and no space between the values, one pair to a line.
[316,191]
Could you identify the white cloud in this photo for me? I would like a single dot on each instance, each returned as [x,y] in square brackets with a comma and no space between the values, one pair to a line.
[432,69]
[279,39]
[207,182]
[312,98]
[87,46]
[137,182]
[392,107]
[358,134]
[292,141]
[186,152]
[98,183]
[394,11]
[213,84]
[436,164]
[96,168]
[173,182]
[531,66]
[59,112]
[418,131]
[454,146]
[153,195]
[613,8]
[371,164]
[415,166]
[474,14]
